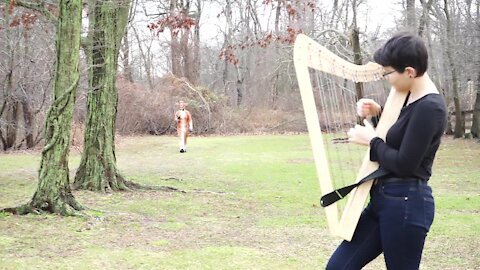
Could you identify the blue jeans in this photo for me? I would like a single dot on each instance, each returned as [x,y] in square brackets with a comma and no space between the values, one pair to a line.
[395,222]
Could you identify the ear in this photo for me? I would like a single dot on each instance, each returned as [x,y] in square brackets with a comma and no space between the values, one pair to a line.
[411,72]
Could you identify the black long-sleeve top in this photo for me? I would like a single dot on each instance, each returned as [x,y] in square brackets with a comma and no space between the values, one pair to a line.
[411,143]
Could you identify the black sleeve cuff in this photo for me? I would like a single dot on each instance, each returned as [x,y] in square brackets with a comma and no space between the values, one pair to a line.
[373,148]
[376,118]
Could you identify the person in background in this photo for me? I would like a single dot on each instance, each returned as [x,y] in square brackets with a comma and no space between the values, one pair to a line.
[184,122]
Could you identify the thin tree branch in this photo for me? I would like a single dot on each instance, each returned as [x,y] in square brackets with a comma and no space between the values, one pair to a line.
[39,6]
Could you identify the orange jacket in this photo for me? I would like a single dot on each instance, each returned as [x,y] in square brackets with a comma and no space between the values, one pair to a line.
[184,120]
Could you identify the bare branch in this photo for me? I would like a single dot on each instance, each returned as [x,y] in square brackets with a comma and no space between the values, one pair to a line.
[39,6]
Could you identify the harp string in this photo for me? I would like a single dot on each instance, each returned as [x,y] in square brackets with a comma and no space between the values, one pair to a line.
[308,54]
[337,171]
[335,117]
[336,102]
[322,89]
[336,131]
[335,127]
[349,117]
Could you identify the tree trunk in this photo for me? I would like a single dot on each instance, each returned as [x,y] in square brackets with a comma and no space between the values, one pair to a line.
[146,57]
[275,91]
[98,170]
[7,84]
[174,45]
[186,56]
[2,138]
[196,46]
[357,51]
[411,17]
[12,117]
[357,58]
[127,69]
[423,22]
[225,69]
[476,112]
[11,106]
[28,122]
[239,85]
[226,43]
[476,109]
[175,56]
[28,117]
[459,117]
[53,192]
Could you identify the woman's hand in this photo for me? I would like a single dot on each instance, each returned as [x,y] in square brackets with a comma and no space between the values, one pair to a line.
[367,108]
[362,134]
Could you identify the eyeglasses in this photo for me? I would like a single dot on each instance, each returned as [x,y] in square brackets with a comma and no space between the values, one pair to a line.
[388,73]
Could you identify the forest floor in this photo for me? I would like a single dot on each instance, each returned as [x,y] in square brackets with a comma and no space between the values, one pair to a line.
[250,202]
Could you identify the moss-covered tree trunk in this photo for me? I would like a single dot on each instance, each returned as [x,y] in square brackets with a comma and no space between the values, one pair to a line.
[53,192]
[98,170]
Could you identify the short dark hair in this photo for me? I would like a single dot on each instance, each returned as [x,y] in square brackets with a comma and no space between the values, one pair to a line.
[403,50]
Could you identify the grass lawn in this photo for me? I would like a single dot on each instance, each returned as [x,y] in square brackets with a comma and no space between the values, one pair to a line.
[251,202]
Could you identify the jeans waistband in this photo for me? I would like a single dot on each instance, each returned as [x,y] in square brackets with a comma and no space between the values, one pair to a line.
[398,180]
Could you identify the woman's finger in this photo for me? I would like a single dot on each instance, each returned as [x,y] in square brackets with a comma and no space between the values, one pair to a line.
[367,123]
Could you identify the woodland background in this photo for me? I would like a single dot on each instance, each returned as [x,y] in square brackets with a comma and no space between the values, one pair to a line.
[230,60]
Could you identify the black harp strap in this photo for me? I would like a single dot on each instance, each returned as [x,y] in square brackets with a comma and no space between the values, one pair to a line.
[341,193]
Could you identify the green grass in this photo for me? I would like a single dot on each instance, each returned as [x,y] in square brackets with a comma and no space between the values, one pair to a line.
[251,202]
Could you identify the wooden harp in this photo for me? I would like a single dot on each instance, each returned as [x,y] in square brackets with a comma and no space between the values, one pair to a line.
[311,57]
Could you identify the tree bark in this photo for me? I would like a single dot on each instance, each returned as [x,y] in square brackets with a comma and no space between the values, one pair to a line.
[127,69]
[53,193]
[459,130]
[196,46]
[28,116]
[239,86]
[423,22]
[146,57]
[98,170]
[357,51]
[10,108]
[476,109]
[357,58]
[275,83]
[186,55]
[226,43]
[174,45]
[476,112]
[12,117]
[28,122]
[411,17]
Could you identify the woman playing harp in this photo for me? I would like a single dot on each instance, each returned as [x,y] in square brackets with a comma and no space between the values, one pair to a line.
[401,207]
